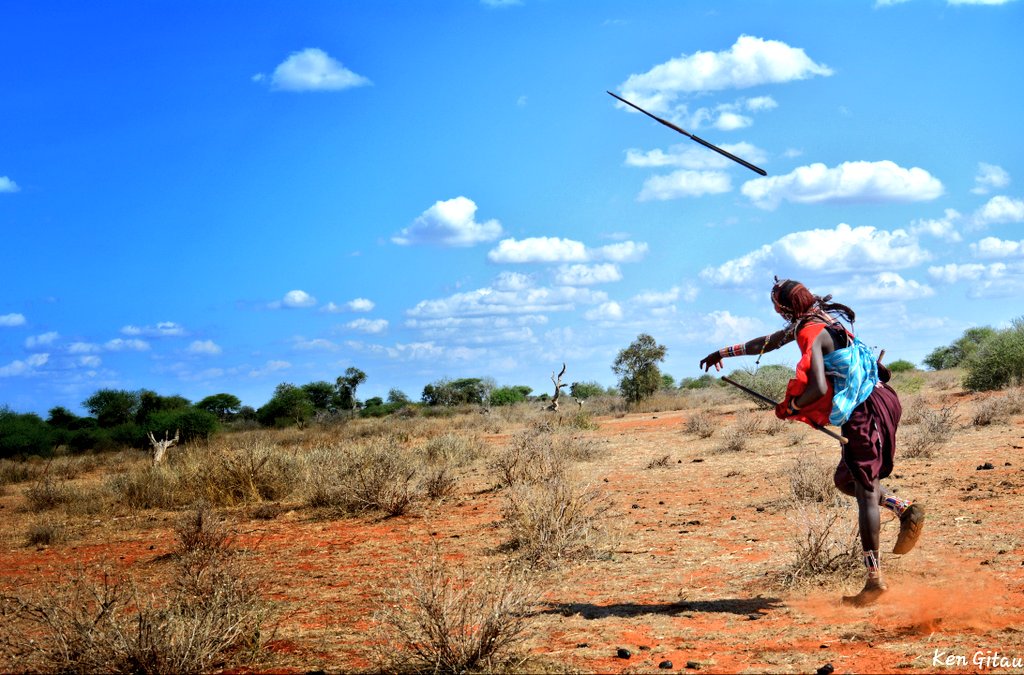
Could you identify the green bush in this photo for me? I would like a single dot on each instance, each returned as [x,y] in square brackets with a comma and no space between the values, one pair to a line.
[192,423]
[956,354]
[24,434]
[998,361]
[901,366]
[510,395]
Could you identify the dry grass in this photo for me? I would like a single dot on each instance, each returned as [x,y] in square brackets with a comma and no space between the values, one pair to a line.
[375,475]
[932,429]
[702,423]
[446,620]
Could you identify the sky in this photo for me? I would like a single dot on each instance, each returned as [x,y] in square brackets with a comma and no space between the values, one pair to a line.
[207,197]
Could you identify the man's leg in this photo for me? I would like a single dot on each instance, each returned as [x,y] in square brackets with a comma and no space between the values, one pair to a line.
[869,520]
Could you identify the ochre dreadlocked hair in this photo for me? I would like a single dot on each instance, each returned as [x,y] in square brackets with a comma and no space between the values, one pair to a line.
[797,302]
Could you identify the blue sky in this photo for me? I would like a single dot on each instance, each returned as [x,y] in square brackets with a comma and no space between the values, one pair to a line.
[205,197]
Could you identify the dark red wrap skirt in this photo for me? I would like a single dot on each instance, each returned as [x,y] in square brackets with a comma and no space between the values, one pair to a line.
[871,432]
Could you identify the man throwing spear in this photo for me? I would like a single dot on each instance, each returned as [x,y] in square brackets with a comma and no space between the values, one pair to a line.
[838,381]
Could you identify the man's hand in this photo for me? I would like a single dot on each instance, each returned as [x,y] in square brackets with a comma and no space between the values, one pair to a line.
[786,409]
[712,359]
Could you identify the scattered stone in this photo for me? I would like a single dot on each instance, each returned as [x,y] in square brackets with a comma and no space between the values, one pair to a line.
[665,665]
[826,669]
[693,665]
[582,645]
[635,506]
[698,459]
[623,653]
[732,518]
[754,617]
[645,648]
[823,647]
[693,522]
[985,467]
[760,509]
[661,503]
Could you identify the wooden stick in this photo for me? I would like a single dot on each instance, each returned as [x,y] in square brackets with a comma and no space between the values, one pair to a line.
[764,398]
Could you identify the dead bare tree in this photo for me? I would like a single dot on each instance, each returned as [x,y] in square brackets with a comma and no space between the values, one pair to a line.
[558,389]
[160,447]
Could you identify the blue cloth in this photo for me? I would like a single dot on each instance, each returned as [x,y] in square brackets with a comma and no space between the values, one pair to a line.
[854,373]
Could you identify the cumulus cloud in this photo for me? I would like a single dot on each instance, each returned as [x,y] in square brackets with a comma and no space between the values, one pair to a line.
[587,275]
[606,311]
[995,280]
[842,249]
[313,70]
[992,247]
[360,305]
[941,228]
[296,299]
[489,301]
[10,320]
[684,183]
[122,345]
[8,185]
[850,182]
[885,286]
[750,62]
[449,223]
[24,367]
[512,281]
[368,325]
[558,250]
[1000,210]
[316,344]
[90,361]
[35,341]
[83,348]
[161,329]
[990,177]
[204,347]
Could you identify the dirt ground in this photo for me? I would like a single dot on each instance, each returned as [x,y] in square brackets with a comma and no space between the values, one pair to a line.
[692,579]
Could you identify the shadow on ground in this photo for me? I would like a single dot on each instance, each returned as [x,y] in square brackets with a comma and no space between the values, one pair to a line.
[742,606]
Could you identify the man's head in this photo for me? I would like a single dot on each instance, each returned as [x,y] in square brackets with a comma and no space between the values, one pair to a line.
[791,298]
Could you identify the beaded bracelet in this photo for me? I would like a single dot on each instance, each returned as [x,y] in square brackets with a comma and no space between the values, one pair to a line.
[735,350]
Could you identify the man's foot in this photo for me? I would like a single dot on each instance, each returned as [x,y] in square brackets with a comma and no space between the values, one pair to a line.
[873,589]
[911,524]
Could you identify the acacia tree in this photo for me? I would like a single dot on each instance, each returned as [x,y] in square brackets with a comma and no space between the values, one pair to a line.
[637,368]
[223,405]
[347,385]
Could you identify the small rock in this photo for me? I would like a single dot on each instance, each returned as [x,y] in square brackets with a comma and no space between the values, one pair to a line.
[823,647]
[698,459]
[826,669]
[645,648]
[623,653]
[661,503]
[582,645]
[635,506]
[985,467]
[760,509]
[665,665]
[754,617]
[693,665]
[732,518]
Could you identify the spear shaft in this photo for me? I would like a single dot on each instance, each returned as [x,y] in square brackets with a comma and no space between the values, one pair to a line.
[684,132]
[762,397]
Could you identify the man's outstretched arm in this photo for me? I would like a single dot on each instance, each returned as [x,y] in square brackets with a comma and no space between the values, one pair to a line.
[758,345]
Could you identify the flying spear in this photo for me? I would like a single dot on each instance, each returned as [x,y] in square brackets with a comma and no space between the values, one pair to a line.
[700,140]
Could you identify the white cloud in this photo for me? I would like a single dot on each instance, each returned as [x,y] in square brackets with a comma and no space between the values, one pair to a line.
[538,249]
[954,272]
[316,344]
[360,305]
[480,329]
[83,348]
[295,300]
[11,320]
[622,252]
[691,156]
[751,61]
[204,347]
[999,210]
[313,70]
[270,367]
[512,281]
[684,183]
[8,185]
[996,280]
[90,361]
[26,367]
[941,228]
[41,340]
[491,302]
[731,121]
[122,345]
[842,249]
[992,247]
[606,311]
[758,103]
[161,329]
[449,223]
[368,325]
[990,177]
[885,286]
[979,2]
[656,298]
[586,275]
[718,327]
[850,182]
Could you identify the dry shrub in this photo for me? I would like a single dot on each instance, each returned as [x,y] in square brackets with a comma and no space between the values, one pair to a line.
[702,423]
[933,431]
[999,409]
[557,519]
[454,621]
[660,401]
[376,475]
[749,423]
[18,471]
[439,482]
[811,480]
[660,463]
[253,472]
[773,426]
[207,618]
[826,545]
[48,493]
[536,454]
[732,439]
[46,533]
[454,449]
[199,532]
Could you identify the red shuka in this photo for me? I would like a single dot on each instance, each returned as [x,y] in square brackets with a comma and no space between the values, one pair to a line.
[819,411]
